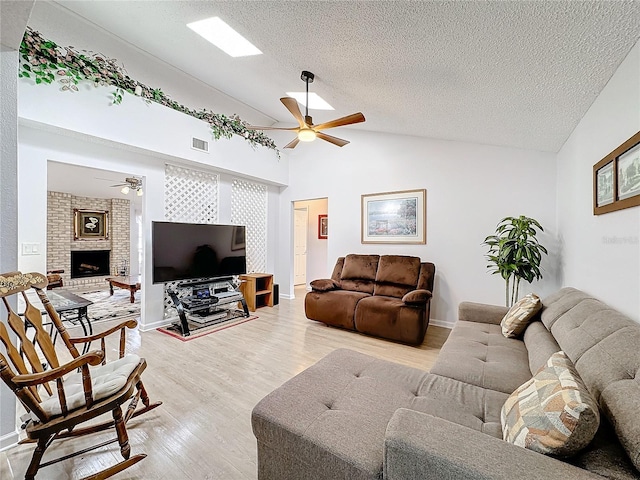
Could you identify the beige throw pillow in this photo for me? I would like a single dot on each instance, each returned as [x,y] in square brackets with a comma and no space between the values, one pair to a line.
[518,316]
[553,413]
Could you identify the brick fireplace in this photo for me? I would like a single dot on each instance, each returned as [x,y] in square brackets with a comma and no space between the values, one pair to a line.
[60,242]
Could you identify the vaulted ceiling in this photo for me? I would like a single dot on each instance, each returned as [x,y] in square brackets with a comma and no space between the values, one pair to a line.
[513,73]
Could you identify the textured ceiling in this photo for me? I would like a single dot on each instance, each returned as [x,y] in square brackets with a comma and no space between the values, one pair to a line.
[513,73]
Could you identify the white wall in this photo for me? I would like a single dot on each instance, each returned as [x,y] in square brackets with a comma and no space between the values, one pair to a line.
[601,254]
[316,247]
[13,18]
[8,211]
[469,187]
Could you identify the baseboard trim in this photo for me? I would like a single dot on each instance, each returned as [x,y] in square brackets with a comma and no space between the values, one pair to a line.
[287,297]
[442,323]
[147,327]
[9,440]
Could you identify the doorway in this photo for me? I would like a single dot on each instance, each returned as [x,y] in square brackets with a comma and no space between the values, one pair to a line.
[300,222]
[309,243]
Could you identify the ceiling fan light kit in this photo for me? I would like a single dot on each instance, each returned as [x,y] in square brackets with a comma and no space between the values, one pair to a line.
[306,135]
[306,131]
[131,183]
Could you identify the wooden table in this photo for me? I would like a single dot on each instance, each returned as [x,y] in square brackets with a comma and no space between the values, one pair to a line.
[131,283]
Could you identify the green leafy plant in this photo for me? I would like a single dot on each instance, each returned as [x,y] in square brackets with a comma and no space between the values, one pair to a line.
[515,253]
[45,62]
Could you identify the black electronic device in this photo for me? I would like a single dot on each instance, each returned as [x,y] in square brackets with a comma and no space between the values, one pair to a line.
[189,251]
[201,293]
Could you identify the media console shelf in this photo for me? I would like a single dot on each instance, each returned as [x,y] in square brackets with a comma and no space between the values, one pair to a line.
[202,307]
[257,289]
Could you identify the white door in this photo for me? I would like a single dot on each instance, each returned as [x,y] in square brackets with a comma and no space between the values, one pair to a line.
[300,246]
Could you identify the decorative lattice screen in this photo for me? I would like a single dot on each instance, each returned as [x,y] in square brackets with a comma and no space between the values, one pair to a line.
[190,196]
[249,208]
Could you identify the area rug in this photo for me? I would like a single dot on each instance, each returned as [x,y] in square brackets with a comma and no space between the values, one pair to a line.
[203,331]
[111,307]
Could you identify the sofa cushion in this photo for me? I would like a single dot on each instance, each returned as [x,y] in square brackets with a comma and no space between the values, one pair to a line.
[333,307]
[462,403]
[559,303]
[519,315]
[335,413]
[540,345]
[553,413]
[359,273]
[396,275]
[427,276]
[478,353]
[324,284]
[389,317]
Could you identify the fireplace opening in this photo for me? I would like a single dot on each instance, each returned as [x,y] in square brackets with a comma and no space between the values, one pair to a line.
[89,263]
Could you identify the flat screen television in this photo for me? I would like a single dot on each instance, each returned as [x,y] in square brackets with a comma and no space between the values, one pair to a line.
[189,251]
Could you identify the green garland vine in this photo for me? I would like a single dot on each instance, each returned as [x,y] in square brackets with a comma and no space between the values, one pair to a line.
[45,62]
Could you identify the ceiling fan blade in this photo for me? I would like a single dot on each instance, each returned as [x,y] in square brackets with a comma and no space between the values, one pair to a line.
[339,122]
[331,139]
[119,185]
[292,106]
[251,127]
[292,143]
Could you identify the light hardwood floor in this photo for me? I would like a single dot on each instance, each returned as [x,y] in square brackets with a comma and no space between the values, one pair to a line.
[209,386]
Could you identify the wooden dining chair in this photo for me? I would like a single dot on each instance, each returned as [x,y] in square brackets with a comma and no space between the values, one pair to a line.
[63,399]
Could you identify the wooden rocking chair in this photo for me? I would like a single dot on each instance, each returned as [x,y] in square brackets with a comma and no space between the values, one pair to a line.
[58,397]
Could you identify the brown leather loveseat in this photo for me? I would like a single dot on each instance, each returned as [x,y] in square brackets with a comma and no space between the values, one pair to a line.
[383,295]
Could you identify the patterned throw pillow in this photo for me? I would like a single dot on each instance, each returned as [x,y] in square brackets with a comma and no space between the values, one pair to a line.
[553,413]
[518,316]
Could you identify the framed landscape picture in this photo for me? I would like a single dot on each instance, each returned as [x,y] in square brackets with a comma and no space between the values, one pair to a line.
[90,224]
[629,173]
[605,185]
[616,178]
[394,217]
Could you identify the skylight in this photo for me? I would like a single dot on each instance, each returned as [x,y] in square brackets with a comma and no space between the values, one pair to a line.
[224,37]
[315,101]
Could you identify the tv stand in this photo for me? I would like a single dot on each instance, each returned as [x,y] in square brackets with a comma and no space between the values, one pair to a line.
[202,307]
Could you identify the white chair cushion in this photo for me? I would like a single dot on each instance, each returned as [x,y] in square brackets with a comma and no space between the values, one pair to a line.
[105,380]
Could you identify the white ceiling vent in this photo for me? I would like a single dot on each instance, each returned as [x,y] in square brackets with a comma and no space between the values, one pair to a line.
[201,145]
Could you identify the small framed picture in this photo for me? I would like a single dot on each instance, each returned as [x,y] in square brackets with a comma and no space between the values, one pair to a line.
[605,185]
[629,173]
[394,217]
[90,224]
[323,227]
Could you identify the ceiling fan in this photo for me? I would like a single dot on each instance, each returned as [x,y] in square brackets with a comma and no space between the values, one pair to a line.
[306,130]
[131,184]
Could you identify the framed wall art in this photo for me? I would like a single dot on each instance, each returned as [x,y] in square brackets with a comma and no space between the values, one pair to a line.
[616,178]
[90,224]
[323,227]
[394,217]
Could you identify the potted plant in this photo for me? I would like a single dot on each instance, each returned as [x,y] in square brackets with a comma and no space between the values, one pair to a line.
[514,253]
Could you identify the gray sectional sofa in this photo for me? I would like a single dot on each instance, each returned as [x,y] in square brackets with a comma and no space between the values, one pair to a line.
[353,416]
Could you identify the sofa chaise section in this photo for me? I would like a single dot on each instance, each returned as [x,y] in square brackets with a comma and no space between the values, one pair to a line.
[352,416]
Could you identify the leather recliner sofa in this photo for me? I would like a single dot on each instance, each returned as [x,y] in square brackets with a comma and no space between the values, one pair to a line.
[386,296]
